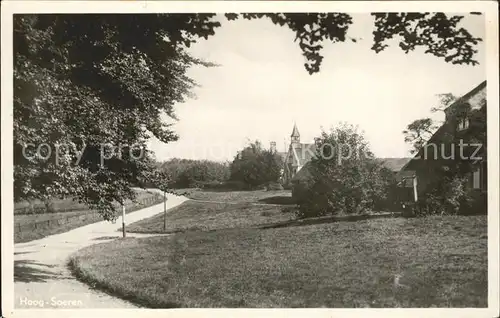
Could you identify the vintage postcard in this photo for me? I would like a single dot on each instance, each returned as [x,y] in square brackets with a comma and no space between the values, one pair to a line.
[250,158]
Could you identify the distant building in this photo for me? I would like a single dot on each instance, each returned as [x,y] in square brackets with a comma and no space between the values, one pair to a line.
[296,159]
[297,155]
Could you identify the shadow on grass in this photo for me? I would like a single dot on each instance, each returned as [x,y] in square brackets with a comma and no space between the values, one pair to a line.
[291,223]
[227,190]
[27,271]
[330,219]
[21,253]
[281,200]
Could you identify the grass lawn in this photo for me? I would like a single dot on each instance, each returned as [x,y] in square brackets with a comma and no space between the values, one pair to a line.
[193,215]
[258,196]
[398,262]
[37,226]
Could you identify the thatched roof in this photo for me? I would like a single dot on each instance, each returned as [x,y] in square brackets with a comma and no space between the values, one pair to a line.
[394,164]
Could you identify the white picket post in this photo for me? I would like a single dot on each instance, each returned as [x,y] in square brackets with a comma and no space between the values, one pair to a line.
[164,211]
[123,221]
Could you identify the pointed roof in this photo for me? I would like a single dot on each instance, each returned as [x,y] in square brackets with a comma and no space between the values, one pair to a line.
[394,164]
[295,132]
[469,95]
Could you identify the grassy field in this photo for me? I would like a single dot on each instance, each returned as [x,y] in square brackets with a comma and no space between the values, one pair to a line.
[258,196]
[193,215]
[397,262]
[39,225]
[220,210]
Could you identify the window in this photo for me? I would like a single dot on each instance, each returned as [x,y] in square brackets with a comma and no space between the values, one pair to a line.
[476,179]
[463,123]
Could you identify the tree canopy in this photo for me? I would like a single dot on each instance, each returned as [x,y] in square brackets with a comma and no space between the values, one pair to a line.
[255,166]
[90,89]
[342,177]
[419,131]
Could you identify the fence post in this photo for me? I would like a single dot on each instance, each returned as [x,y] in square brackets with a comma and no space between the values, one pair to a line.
[123,221]
[415,192]
[164,211]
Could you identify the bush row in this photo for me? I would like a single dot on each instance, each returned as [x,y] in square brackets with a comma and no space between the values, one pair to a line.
[186,173]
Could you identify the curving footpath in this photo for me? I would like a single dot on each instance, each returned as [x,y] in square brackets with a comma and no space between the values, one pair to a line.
[41,275]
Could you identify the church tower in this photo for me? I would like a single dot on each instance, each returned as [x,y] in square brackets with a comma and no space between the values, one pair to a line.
[295,137]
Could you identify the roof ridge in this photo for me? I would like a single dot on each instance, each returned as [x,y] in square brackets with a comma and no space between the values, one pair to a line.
[468,94]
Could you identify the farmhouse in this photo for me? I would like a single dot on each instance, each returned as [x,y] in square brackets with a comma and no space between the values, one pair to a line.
[460,140]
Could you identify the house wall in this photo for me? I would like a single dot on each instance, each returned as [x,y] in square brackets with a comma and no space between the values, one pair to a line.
[431,164]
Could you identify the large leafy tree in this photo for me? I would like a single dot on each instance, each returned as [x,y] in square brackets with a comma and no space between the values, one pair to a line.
[191,173]
[255,166]
[342,177]
[419,131]
[82,81]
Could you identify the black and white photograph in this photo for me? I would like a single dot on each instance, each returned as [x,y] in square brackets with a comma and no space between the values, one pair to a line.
[288,155]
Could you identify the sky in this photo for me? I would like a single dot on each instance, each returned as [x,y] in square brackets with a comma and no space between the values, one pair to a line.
[261,89]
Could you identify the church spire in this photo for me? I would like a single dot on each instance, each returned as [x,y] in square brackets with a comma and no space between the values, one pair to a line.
[295,132]
[295,136]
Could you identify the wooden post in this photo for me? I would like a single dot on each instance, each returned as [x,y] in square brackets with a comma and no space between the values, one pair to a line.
[123,221]
[415,192]
[164,211]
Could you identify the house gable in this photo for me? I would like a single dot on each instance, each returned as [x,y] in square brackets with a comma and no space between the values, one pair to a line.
[475,100]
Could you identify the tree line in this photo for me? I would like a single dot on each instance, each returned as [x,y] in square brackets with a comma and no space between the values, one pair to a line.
[252,167]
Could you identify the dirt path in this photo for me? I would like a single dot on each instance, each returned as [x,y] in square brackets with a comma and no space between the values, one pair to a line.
[41,276]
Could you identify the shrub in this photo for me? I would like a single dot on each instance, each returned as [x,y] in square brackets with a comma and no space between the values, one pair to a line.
[236,185]
[450,195]
[343,178]
[208,185]
[479,204]
[195,173]
[392,201]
